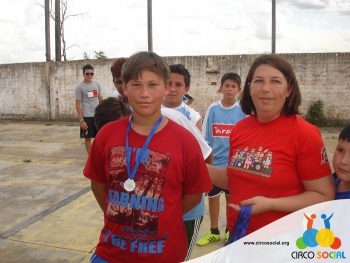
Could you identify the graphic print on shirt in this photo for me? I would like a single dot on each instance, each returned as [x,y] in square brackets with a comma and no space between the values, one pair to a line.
[324,157]
[92,93]
[137,212]
[254,161]
[140,208]
[221,130]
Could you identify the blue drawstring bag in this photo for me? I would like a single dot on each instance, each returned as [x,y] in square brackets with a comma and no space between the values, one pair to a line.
[240,228]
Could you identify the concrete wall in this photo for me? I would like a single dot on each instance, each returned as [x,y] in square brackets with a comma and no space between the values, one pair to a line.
[24,91]
[45,91]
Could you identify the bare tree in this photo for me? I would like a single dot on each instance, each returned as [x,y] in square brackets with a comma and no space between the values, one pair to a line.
[63,16]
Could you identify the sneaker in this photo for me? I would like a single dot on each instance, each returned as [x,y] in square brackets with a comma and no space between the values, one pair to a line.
[207,238]
[227,235]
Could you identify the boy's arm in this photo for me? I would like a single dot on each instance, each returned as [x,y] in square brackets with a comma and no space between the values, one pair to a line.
[206,126]
[83,125]
[78,99]
[196,177]
[100,98]
[210,158]
[218,176]
[78,109]
[99,190]
[190,201]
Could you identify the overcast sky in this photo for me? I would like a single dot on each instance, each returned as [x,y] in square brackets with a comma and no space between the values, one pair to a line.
[181,27]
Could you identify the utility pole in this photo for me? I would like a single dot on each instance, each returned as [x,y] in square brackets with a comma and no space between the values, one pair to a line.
[47,30]
[273,44]
[149,25]
[58,29]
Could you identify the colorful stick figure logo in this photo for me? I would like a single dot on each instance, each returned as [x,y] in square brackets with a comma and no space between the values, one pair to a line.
[323,237]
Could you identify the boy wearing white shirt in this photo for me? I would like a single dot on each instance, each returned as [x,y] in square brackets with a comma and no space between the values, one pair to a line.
[179,85]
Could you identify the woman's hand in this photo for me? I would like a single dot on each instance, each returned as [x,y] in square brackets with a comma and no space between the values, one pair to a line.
[260,204]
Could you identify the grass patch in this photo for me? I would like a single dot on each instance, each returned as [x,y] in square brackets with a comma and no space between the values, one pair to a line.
[27,160]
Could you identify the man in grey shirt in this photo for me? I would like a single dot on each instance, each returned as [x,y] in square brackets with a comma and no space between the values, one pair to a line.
[87,96]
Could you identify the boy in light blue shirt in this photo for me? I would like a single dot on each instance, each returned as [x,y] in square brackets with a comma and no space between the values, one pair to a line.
[218,122]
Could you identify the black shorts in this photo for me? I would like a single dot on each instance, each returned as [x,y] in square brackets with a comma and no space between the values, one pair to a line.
[91,131]
[215,191]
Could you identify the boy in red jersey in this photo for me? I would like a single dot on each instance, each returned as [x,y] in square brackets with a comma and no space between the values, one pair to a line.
[145,172]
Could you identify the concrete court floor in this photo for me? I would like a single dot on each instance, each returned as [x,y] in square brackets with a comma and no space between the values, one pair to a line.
[47,211]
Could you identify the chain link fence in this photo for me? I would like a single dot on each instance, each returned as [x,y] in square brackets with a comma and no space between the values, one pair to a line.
[233,27]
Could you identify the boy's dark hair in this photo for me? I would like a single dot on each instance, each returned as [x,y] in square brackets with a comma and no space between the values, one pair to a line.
[108,110]
[144,60]
[345,133]
[180,69]
[116,68]
[292,103]
[231,76]
[86,67]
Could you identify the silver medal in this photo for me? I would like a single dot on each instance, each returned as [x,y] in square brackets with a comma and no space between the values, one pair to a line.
[129,185]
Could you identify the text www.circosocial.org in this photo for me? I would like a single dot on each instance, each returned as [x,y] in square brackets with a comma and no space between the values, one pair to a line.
[266,243]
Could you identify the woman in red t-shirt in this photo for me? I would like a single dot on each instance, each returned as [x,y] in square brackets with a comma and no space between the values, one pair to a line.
[277,161]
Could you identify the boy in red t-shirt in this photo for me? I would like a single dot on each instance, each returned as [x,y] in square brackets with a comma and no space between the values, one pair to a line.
[145,171]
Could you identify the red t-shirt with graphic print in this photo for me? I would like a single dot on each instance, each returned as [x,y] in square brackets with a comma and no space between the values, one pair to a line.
[271,159]
[145,225]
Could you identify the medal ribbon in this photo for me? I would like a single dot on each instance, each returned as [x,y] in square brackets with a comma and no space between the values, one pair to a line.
[240,228]
[141,153]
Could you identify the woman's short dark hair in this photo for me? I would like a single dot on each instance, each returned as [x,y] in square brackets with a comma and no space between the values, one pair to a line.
[108,110]
[292,103]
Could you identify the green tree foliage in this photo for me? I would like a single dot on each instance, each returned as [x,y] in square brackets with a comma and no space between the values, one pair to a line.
[85,55]
[315,114]
[100,54]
